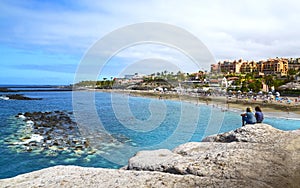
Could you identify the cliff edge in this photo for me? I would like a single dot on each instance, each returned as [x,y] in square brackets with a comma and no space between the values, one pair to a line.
[251,156]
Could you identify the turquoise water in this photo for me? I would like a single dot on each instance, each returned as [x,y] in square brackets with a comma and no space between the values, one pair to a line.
[143,124]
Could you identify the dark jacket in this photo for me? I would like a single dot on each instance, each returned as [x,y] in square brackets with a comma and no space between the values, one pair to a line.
[259,117]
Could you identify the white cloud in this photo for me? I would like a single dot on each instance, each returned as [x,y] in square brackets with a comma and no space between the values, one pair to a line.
[230,29]
[159,57]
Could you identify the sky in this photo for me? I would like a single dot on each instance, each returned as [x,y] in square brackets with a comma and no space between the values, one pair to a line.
[45,42]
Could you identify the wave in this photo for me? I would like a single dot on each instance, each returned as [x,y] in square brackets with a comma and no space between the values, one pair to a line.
[4,98]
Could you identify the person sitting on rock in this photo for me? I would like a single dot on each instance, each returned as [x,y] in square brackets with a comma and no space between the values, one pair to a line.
[259,115]
[248,117]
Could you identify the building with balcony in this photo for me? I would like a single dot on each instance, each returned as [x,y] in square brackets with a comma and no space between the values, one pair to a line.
[248,67]
[229,66]
[294,64]
[273,66]
[279,66]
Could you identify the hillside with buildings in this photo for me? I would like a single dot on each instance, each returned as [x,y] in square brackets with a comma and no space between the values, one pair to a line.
[271,75]
[264,75]
[274,66]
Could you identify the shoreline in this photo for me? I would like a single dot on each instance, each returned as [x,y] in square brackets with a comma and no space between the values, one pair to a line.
[273,110]
[270,109]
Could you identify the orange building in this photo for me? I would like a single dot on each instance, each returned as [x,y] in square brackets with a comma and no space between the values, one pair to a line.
[247,67]
[274,66]
[270,66]
[230,67]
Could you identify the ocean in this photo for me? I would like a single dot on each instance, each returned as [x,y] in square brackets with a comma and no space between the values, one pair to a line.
[118,126]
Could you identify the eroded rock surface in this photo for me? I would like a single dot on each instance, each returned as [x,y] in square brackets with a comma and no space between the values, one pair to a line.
[259,154]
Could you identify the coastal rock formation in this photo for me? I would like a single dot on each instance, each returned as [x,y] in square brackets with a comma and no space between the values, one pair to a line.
[258,154]
[48,132]
[3,89]
[55,133]
[251,156]
[260,133]
[74,176]
[20,97]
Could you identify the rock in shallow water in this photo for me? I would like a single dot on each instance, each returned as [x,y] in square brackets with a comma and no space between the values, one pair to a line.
[47,130]
[21,97]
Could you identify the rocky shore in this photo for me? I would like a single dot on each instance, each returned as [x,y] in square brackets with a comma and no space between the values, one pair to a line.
[251,156]
[19,97]
[49,132]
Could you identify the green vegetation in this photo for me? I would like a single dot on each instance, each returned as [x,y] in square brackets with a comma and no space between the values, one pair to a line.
[102,84]
[169,80]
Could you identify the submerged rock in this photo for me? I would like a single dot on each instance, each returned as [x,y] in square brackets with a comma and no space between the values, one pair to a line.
[54,131]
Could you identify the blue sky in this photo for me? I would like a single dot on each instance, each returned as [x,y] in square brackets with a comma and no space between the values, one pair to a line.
[43,42]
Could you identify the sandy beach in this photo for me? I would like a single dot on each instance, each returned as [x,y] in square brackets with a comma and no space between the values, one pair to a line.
[270,109]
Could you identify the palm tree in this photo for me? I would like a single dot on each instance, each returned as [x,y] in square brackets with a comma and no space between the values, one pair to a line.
[269,80]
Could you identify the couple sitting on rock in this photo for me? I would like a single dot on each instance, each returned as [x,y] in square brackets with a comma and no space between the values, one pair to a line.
[250,118]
